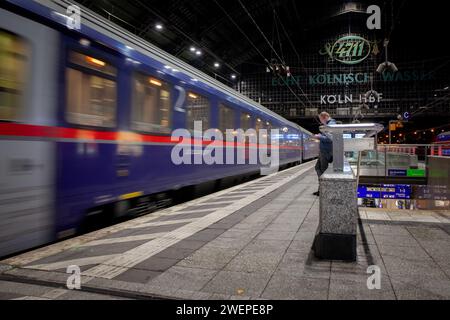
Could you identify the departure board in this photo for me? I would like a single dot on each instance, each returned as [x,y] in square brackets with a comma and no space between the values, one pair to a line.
[386,191]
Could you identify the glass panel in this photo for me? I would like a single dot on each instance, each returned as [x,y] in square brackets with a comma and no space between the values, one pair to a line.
[226,118]
[92,63]
[246,121]
[259,125]
[14,56]
[198,109]
[152,105]
[91,100]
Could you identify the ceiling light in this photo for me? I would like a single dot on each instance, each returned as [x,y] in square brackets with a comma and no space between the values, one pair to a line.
[193,49]
[233,76]
[96,62]
[159,27]
[155,82]
[198,52]
[85,42]
[216,65]
[387,66]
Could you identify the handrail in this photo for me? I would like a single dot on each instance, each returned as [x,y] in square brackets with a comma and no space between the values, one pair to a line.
[413,145]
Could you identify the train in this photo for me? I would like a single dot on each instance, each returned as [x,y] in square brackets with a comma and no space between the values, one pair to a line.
[86,117]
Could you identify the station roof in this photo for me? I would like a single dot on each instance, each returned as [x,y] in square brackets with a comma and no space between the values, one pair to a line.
[227,32]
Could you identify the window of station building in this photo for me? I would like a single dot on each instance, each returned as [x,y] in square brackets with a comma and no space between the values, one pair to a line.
[151,104]
[246,121]
[91,91]
[226,118]
[14,56]
[198,108]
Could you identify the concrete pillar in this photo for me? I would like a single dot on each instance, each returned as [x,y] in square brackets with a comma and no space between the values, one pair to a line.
[336,236]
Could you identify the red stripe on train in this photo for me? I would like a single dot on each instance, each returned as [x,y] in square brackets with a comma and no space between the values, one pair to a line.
[34,131]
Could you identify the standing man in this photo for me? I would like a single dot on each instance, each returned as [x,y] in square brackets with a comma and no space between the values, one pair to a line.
[326,147]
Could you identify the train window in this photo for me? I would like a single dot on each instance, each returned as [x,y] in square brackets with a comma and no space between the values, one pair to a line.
[92,63]
[91,91]
[226,118]
[14,56]
[268,127]
[151,104]
[259,125]
[198,108]
[246,121]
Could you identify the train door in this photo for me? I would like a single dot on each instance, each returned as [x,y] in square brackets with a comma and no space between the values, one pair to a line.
[93,161]
[28,71]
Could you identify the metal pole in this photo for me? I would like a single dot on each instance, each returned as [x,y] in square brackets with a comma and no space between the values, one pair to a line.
[390,133]
[338,151]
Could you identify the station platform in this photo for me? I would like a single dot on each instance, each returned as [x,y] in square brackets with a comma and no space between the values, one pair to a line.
[252,241]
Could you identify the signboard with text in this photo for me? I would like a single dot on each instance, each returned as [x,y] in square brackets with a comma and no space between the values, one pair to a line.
[385,192]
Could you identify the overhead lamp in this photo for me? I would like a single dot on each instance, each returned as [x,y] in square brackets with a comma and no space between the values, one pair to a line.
[198,52]
[85,42]
[96,62]
[233,76]
[216,65]
[192,49]
[155,82]
[159,26]
[386,66]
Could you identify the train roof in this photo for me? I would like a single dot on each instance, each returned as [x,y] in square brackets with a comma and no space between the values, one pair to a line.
[126,42]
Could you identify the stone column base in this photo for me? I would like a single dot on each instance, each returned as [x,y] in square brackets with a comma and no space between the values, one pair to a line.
[340,247]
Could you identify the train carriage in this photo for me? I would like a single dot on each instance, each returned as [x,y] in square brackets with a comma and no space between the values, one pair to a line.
[86,118]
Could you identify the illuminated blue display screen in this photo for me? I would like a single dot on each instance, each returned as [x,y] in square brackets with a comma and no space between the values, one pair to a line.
[386,191]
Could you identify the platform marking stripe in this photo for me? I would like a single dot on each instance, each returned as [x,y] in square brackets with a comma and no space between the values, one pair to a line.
[31,298]
[29,257]
[55,294]
[76,262]
[162,223]
[124,239]
[114,267]
[179,213]
[215,203]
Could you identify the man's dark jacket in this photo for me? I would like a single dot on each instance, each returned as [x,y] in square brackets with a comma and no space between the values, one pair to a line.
[326,142]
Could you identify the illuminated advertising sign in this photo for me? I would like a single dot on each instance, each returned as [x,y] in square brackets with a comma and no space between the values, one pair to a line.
[350,50]
[369,97]
[346,79]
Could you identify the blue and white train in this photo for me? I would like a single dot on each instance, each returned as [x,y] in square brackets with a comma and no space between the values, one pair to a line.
[86,117]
